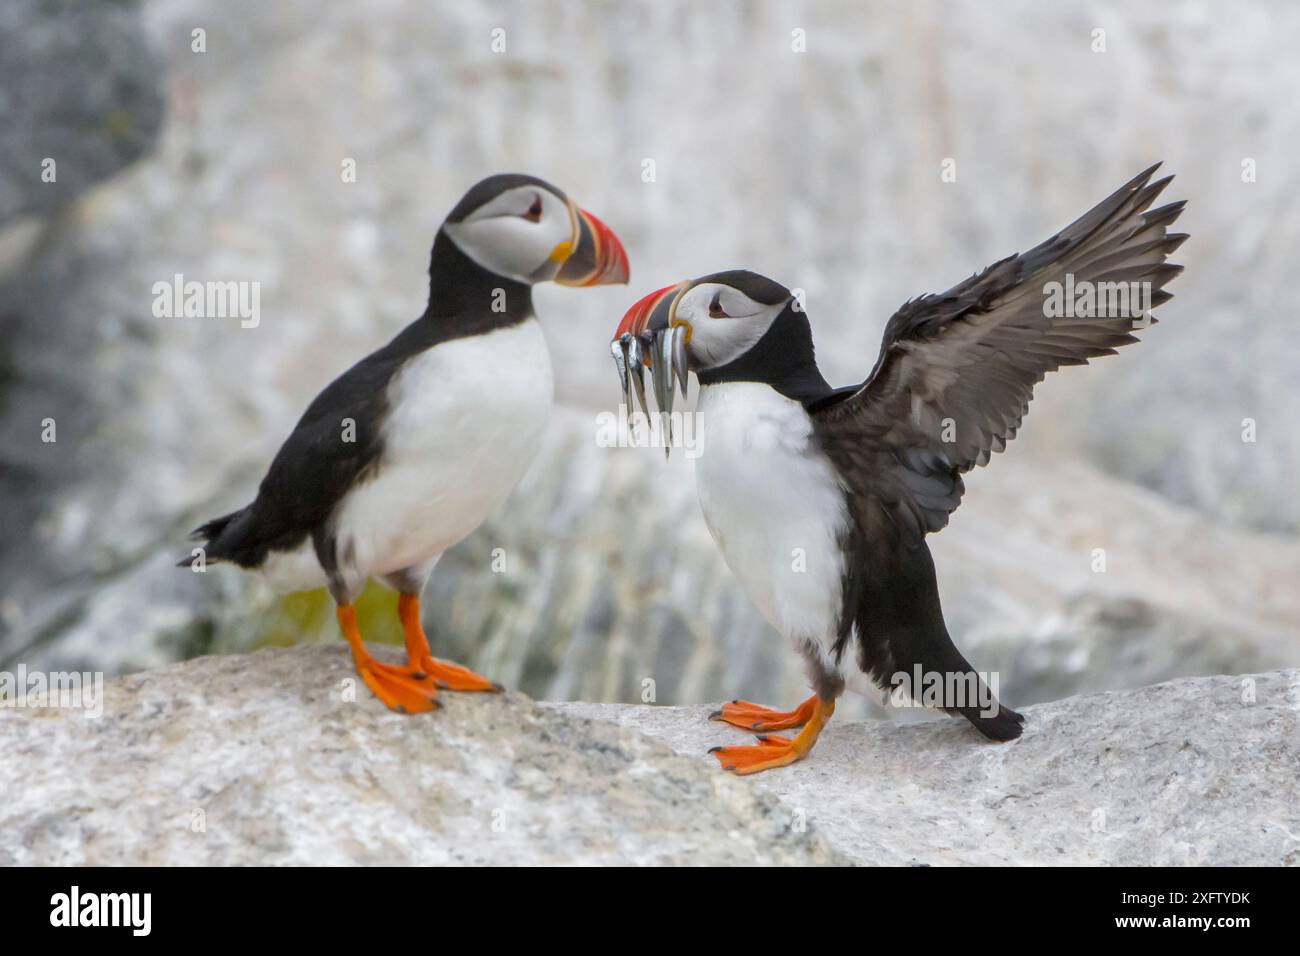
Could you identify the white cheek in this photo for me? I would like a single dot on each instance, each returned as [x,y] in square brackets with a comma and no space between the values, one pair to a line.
[511,246]
[716,342]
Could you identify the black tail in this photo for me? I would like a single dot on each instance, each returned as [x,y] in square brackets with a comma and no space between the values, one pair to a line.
[1005,725]
[892,597]
[208,534]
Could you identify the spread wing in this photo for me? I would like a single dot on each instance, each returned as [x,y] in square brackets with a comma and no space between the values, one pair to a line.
[957,370]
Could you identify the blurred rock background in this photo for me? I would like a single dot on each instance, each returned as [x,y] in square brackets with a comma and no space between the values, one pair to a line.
[820,167]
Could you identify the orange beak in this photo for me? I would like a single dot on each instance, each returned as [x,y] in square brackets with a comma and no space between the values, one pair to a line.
[598,258]
[649,338]
[652,313]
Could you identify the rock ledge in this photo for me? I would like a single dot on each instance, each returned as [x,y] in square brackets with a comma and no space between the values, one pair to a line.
[260,759]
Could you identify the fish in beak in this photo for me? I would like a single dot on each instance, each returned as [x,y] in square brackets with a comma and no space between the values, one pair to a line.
[650,337]
[594,256]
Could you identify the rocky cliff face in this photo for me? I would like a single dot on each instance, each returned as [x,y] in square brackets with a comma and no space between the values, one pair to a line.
[81,97]
[609,578]
[268,759]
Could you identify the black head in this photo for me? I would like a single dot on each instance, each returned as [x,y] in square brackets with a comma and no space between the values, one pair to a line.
[741,326]
[524,229]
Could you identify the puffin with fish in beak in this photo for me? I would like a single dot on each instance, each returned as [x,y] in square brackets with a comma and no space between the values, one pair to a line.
[407,452]
[853,479]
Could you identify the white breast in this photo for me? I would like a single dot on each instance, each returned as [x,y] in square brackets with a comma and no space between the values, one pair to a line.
[773,503]
[465,421]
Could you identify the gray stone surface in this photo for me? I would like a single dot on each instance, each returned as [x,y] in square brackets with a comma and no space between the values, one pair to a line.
[280,768]
[1190,772]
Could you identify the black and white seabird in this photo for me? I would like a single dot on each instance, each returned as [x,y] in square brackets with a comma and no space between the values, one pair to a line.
[407,452]
[820,498]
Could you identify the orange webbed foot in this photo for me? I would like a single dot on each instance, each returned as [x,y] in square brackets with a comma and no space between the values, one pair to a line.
[446,675]
[756,717]
[401,688]
[772,752]
[450,676]
[767,754]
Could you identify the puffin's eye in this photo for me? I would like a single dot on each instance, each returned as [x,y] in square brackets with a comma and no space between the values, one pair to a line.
[534,213]
[715,307]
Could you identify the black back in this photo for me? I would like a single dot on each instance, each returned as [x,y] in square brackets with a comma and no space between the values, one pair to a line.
[315,467]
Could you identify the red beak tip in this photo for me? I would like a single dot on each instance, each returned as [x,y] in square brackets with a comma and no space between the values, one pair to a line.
[612,265]
[634,320]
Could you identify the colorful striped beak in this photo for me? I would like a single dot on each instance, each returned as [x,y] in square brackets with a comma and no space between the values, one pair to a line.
[598,258]
[648,338]
[652,313]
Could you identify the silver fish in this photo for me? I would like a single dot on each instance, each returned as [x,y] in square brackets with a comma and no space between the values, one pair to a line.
[620,362]
[636,372]
[664,368]
[679,357]
[624,343]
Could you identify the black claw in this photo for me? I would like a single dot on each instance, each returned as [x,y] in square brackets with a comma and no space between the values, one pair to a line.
[717,714]
[714,750]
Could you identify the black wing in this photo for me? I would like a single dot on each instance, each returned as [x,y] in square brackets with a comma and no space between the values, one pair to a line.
[951,386]
[315,467]
[957,370]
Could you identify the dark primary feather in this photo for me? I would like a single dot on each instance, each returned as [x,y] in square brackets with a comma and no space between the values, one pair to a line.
[969,358]
[891,606]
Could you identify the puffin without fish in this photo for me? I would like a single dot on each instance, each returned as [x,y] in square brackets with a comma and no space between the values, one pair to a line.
[820,498]
[407,452]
